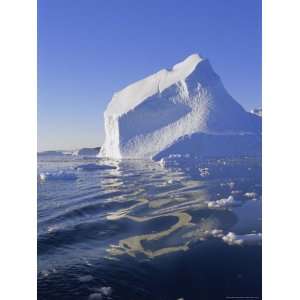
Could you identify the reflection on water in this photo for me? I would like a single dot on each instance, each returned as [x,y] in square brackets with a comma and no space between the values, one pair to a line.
[111,220]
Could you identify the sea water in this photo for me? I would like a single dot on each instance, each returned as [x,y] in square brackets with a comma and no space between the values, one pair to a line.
[181,228]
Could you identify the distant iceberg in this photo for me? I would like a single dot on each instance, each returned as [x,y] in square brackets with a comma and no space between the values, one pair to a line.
[52,153]
[87,151]
[179,111]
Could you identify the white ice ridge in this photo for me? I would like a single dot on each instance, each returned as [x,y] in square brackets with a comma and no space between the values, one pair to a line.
[153,114]
[133,95]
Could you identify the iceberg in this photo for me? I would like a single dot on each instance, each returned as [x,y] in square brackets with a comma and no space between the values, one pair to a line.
[179,111]
[87,152]
[51,153]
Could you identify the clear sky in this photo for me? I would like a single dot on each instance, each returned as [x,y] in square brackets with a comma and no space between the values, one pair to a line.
[88,49]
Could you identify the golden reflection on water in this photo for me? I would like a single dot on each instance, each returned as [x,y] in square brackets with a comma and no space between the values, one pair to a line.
[172,195]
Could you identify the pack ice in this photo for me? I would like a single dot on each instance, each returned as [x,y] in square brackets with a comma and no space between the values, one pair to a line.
[185,110]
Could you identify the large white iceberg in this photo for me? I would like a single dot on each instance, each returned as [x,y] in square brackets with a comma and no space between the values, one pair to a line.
[177,110]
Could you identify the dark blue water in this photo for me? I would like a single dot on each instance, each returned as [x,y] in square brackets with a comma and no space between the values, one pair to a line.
[143,230]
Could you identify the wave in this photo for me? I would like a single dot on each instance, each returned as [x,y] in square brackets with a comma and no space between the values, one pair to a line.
[57,175]
[94,167]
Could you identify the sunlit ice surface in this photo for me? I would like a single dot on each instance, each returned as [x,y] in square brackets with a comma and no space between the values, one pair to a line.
[137,229]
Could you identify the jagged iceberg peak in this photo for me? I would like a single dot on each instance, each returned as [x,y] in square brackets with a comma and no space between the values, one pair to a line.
[155,113]
[135,93]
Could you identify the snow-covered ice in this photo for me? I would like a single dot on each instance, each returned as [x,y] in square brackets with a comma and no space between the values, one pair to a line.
[183,110]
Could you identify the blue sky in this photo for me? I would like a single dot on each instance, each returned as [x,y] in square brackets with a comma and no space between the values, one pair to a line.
[88,49]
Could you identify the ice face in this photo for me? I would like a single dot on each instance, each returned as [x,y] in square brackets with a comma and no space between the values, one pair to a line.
[133,95]
[155,113]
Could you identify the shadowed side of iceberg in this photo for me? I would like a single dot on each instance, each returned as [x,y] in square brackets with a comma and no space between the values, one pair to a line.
[203,145]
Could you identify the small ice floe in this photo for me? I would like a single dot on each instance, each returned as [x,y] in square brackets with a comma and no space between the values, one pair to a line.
[106,290]
[251,195]
[231,184]
[204,172]
[94,167]
[235,192]
[52,228]
[162,162]
[232,239]
[225,202]
[46,273]
[218,233]
[86,262]
[59,175]
[245,239]
[100,292]
[85,278]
